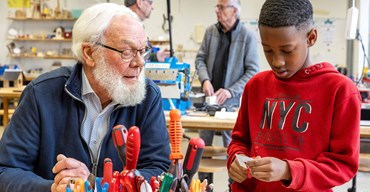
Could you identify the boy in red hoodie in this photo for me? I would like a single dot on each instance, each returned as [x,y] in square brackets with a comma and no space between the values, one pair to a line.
[300,119]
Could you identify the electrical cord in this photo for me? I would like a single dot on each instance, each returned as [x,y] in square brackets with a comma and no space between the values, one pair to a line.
[366,59]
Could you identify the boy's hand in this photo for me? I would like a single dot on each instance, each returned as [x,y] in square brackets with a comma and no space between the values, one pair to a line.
[269,169]
[236,172]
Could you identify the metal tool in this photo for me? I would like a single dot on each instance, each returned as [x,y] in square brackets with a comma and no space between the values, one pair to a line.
[174,185]
[91,179]
[183,183]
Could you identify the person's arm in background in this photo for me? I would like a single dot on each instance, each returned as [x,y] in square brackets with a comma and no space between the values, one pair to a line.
[160,55]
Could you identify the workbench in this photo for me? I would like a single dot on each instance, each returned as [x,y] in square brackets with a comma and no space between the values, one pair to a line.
[218,124]
[8,94]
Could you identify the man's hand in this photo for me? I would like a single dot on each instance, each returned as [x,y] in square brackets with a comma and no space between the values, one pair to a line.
[222,95]
[207,88]
[163,54]
[269,169]
[67,169]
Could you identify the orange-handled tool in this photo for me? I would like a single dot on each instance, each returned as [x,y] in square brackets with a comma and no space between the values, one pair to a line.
[175,132]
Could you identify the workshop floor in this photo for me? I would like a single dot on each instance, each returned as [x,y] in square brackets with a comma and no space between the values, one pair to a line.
[220,179]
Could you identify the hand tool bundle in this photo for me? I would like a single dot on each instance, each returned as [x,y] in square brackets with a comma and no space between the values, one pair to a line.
[177,179]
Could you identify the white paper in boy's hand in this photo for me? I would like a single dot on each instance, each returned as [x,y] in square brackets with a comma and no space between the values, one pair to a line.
[242,160]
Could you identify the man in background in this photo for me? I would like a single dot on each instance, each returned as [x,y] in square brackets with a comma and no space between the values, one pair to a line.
[226,60]
[143,9]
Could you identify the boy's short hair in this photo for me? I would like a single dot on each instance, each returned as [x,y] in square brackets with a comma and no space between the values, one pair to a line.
[129,3]
[284,13]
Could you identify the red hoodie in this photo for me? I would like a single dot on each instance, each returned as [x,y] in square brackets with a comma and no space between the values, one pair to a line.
[311,120]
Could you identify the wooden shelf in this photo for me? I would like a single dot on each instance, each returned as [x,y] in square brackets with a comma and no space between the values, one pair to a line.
[46,40]
[187,50]
[42,40]
[41,19]
[159,42]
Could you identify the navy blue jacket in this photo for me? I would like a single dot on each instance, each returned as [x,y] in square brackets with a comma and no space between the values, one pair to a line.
[47,122]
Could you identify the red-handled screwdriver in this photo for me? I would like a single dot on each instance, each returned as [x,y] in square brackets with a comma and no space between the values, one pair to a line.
[119,135]
[193,156]
[107,171]
[132,147]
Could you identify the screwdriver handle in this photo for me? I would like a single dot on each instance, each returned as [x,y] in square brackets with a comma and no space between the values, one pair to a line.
[193,156]
[119,135]
[175,132]
[107,171]
[132,147]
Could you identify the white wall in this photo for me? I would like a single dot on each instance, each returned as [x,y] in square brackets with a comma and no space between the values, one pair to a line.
[187,14]
[364,32]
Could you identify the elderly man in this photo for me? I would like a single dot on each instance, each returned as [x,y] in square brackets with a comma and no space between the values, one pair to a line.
[62,126]
[226,60]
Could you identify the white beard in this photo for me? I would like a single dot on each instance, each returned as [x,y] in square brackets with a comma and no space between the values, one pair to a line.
[118,90]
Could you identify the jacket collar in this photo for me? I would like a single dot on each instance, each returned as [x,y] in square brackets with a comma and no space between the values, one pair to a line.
[220,29]
[74,82]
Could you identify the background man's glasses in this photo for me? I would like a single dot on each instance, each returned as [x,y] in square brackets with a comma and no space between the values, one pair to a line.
[149,1]
[128,55]
[222,7]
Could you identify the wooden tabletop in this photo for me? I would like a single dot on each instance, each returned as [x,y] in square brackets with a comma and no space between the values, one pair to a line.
[6,94]
[218,124]
[205,123]
[365,131]
[11,92]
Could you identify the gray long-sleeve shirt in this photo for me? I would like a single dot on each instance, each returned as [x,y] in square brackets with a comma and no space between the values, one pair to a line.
[243,60]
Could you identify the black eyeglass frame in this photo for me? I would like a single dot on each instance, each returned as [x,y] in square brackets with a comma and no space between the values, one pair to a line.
[222,7]
[145,55]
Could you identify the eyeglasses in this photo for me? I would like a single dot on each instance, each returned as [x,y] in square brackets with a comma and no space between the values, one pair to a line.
[222,7]
[149,1]
[128,55]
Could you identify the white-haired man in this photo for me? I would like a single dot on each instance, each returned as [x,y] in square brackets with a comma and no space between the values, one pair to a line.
[62,126]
